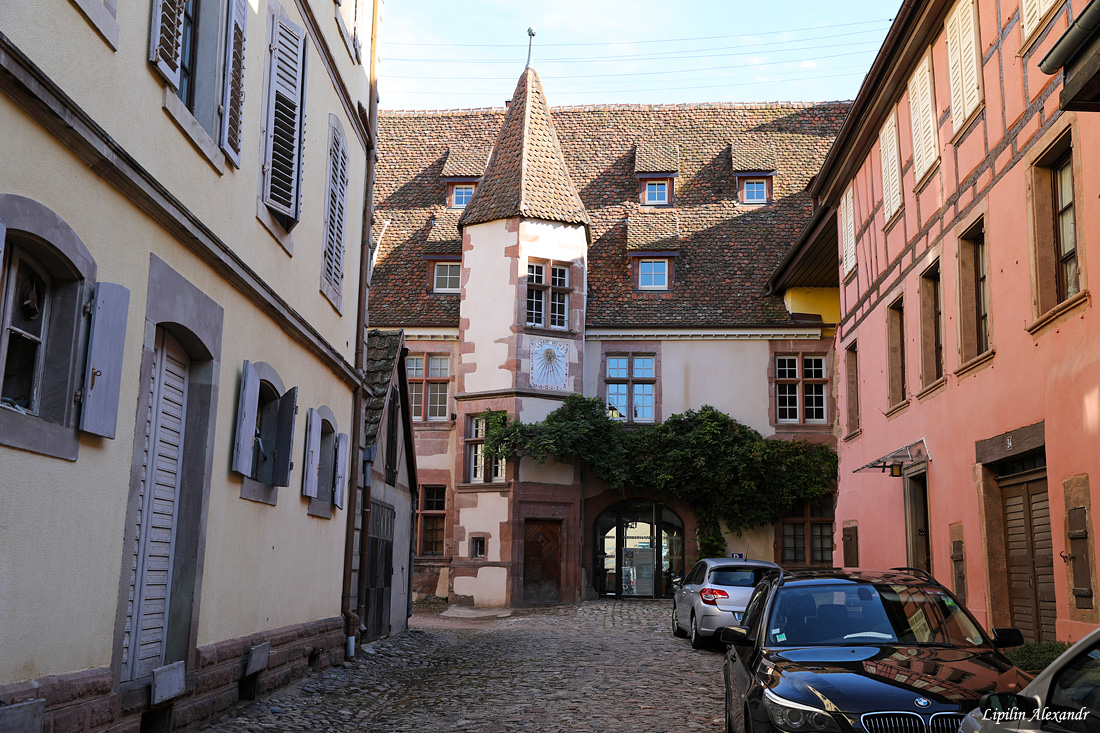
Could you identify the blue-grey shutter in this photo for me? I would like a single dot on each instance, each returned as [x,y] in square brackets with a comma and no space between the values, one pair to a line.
[335,207]
[341,474]
[313,454]
[166,39]
[284,438]
[283,149]
[233,82]
[103,370]
[247,405]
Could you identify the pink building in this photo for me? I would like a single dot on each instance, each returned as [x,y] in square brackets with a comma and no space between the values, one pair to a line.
[962,199]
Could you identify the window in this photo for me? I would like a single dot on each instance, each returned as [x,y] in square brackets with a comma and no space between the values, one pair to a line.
[656,192]
[974,294]
[548,298]
[282,162]
[25,327]
[895,358]
[922,117]
[431,517]
[332,271]
[653,274]
[447,277]
[1031,13]
[800,386]
[324,473]
[963,62]
[1055,235]
[435,384]
[806,533]
[755,191]
[479,468]
[477,547]
[848,230]
[1065,230]
[265,431]
[891,167]
[631,383]
[851,383]
[186,90]
[461,193]
[931,296]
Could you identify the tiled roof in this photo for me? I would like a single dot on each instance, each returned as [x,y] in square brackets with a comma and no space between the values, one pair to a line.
[656,157]
[443,237]
[383,350]
[752,152]
[656,230]
[527,175]
[465,162]
[727,250]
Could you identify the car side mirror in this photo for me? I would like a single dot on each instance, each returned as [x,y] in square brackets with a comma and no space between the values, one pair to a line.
[737,635]
[1007,637]
[1005,706]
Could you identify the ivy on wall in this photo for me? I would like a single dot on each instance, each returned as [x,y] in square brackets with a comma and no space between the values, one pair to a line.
[724,470]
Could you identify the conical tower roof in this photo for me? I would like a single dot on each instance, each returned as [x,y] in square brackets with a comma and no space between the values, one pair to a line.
[526,175]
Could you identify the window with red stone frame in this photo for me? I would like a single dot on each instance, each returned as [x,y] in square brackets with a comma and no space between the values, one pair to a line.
[804,537]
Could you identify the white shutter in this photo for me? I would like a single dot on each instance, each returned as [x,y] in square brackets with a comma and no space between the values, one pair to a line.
[848,231]
[970,48]
[233,83]
[283,153]
[1030,12]
[313,454]
[340,477]
[336,205]
[955,62]
[923,118]
[888,156]
[103,367]
[248,404]
[166,37]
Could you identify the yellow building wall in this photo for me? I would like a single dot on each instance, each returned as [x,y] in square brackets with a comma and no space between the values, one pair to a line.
[824,302]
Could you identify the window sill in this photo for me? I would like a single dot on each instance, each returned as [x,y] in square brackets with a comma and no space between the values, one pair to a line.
[480,486]
[850,275]
[431,291]
[893,219]
[967,125]
[932,389]
[332,296]
[1065,308]
[853,435]
[319,508]
[254,490]
[896,409]
[545,331]
[927,176]
[437,424]
[199,137]
[986,357]
[34,434]
[273,227]
[102,19]
[794,428]
[1028,42]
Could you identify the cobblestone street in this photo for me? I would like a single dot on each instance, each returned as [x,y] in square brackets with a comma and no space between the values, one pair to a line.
[600,666]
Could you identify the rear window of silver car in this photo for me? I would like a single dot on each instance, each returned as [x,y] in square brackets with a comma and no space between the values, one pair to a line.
[736,577]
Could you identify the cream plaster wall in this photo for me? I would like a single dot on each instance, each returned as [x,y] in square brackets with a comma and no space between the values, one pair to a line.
[65,523]
[488,588]
[490,512]
[489,309]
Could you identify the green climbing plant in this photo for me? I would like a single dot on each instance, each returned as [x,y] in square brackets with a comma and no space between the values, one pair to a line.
[725,471]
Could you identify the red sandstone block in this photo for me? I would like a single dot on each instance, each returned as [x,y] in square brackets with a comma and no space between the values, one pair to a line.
[225,699]
[16,692]
[103,711]
[73,719]
[188,712]
[216,678]
[208,656]
[134,700]
[129,726]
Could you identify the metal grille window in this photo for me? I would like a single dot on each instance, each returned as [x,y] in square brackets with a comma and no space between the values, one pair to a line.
[432,516]
[548,297]
[631,383]
[805,534]
[800,386]
[432,384]
[480,468]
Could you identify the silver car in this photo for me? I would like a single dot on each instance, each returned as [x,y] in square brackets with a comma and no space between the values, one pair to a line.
[713,596]
[1063,697]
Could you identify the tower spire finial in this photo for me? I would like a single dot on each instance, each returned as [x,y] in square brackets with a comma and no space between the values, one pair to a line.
[530,43]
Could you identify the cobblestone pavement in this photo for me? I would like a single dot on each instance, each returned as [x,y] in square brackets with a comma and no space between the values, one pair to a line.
[601,666]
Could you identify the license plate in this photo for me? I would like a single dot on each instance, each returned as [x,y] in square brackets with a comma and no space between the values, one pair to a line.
[737,617]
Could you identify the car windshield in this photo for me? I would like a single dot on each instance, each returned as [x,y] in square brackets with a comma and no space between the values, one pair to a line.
[737,577]
[830,615]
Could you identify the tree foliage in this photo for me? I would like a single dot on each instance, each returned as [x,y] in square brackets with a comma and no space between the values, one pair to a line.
[726,471]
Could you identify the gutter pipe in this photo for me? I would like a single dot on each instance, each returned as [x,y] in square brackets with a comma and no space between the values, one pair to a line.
[1071,41]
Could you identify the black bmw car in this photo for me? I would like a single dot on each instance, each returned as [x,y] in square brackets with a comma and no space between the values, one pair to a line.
[831,651]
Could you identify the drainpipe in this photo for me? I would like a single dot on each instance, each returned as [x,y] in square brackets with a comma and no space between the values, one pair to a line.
[351,618]
[1070,42]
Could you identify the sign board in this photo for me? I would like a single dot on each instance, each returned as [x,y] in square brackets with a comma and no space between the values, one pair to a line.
[737,555]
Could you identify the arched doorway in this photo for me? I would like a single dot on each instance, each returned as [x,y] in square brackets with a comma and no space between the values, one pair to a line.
[639,549]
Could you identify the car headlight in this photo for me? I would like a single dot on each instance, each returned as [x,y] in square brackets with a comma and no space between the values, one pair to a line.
[793,716]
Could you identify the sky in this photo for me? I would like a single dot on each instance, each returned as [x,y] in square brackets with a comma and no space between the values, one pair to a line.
[448,54]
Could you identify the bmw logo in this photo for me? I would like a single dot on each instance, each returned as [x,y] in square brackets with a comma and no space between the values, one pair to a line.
[922,702]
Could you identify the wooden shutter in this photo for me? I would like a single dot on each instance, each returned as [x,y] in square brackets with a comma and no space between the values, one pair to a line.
[233,83]
[312,467]
[103,370]
[958,567]
[283,155]
[848,230]
[284,438]
[166,39]
[923,118]
[888,155]
[850,539]
[247,406]
[1077,521]
[336,204]
[341,472]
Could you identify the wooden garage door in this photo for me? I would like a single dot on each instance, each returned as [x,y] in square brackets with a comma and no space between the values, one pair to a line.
[1029,553]
[155,534]
[541,561]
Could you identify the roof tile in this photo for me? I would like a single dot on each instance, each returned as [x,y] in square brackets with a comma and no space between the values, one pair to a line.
[656,157]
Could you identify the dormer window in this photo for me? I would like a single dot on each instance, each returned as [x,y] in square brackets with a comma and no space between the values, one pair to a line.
[754,167]
[656,192]
[460,195]
[656,165]
[755,191]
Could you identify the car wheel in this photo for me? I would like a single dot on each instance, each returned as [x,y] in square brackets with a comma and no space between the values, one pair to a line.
[676,630]
[698,641]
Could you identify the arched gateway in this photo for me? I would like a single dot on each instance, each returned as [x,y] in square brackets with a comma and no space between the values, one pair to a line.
[639,549]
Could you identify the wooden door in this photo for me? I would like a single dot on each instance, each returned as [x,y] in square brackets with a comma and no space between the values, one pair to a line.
[1029,553]
[541,561]
[380,571]
[154,539]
